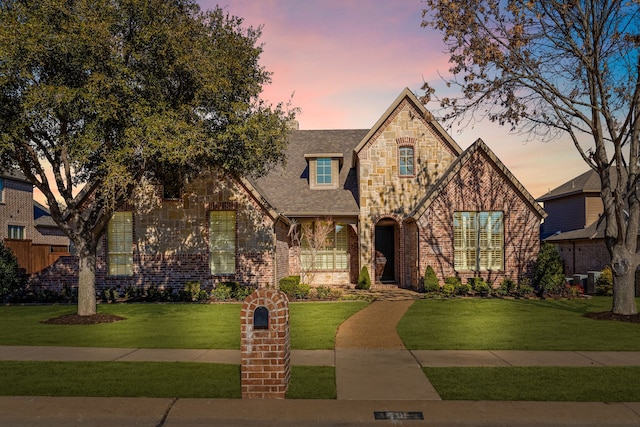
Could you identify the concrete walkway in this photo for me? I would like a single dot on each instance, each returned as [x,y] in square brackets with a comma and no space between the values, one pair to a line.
[371,361]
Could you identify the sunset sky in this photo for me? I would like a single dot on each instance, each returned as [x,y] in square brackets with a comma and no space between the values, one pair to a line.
[346,61]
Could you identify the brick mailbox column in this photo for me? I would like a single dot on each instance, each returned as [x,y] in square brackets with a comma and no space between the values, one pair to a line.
[265,345]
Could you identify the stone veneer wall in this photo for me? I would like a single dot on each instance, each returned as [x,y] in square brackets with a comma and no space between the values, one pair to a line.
[479,187]
[383,193]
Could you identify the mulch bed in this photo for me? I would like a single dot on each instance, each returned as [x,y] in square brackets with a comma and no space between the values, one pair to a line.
[608,315]
[75,319]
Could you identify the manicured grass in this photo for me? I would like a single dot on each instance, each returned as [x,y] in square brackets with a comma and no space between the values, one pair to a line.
[312,382]
[601,384]
[119,379]
[149,379]
[313,325]
[501,324]
[146,326]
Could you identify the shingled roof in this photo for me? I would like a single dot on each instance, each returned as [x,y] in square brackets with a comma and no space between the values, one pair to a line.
[588,182]
[287,188]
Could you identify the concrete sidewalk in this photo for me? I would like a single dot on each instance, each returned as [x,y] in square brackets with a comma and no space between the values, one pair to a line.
[424,358]
[146,412]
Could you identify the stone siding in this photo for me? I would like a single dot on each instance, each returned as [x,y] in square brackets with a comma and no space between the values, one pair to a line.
[385,194]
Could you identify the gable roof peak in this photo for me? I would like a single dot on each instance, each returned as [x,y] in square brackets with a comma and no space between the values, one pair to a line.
[423,113]
[457,166]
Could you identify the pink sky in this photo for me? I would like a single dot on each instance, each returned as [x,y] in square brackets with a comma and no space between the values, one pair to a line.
[346,61]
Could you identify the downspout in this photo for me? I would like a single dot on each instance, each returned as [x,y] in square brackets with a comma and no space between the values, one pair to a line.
[573,253]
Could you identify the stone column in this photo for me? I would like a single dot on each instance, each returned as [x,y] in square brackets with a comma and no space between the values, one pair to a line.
[265,345]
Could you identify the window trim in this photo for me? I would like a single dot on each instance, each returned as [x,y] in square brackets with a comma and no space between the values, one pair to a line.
[336,160]
[477,243]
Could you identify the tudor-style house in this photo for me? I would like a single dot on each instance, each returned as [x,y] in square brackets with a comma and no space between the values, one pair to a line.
[402,191]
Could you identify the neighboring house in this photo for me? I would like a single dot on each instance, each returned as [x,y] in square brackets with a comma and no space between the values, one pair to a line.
[26,226]
[575,225]
[403,188]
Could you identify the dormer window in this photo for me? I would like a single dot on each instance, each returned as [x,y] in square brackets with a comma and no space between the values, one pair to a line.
[324,170]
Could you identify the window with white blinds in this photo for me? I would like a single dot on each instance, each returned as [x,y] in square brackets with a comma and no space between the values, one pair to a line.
[222,242]
[120,244]
[331,255]
[478,241]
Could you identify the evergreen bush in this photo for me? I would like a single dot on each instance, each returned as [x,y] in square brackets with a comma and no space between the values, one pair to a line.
[364,280]
[12,277]
[604,284]
[548,274]
[431,283]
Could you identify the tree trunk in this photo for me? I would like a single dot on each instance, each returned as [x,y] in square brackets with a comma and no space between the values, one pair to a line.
[624,272]
[87,283]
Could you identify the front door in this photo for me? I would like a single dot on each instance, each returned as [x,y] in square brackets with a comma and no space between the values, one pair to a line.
[385,243]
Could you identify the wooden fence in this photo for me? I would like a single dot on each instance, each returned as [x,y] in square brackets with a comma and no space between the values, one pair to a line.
[34,257]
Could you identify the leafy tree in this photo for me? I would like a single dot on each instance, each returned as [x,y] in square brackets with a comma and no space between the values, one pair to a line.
[12,278]
[96,95]
[548,272]
[552,68]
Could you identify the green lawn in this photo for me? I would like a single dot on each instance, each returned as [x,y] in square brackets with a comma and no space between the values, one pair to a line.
[501,324]
[149,379]
[313,325]
[601,384]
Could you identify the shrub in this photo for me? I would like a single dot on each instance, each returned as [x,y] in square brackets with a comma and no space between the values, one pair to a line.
[191,291]
[525,290]
[242,292]
[431,283]
[450,286]
[575,291]
[364,280]
[463,288]
[110,294]
[448,289]
[548,275]
[507,287]
[479,286]
[604,284]
[323,292]
[222,292]
[12,277]
[288,284]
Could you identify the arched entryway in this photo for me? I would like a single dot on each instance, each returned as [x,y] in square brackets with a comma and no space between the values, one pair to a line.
[386,238]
